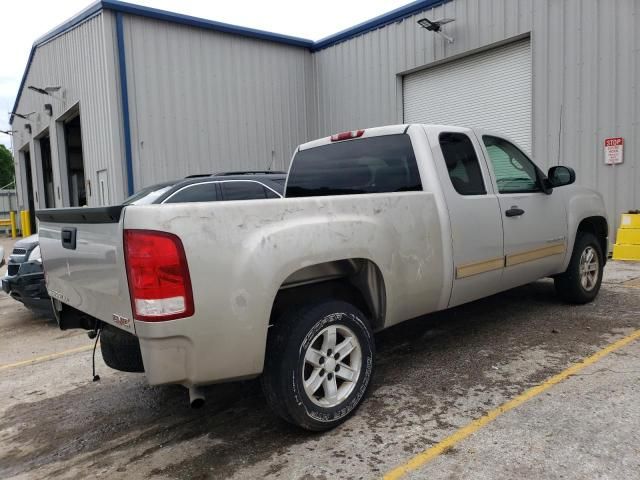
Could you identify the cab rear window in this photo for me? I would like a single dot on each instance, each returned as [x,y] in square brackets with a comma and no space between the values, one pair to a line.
[368,165]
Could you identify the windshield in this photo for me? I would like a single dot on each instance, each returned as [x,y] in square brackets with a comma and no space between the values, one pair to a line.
[149,195]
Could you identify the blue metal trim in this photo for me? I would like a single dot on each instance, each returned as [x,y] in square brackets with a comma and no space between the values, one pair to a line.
[124,96]
[377,22]
[157,14]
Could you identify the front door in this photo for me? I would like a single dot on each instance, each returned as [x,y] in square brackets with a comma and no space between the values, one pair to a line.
[474,213]
[535,223]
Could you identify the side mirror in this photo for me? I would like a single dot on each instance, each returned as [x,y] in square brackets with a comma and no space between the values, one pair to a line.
[561,176]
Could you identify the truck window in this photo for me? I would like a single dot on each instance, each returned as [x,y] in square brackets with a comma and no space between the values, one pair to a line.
[368,165]
[199,192]
[514,172]
[462,163]
[243,190]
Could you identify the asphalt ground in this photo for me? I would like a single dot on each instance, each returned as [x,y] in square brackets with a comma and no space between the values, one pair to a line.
[435,377]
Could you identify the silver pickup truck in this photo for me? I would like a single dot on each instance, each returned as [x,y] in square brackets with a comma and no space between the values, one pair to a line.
[377,226]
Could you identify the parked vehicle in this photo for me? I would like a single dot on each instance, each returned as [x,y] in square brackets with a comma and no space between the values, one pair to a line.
[24,280]
[222,186]
[377,226]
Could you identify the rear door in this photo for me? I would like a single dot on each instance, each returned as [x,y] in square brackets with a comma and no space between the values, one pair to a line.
[535,223]
[82,251]
[476,226]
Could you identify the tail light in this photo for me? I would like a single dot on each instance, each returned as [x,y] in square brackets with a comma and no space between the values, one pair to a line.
[347,135]
[158,275]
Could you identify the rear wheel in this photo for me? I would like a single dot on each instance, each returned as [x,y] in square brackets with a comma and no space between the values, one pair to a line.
[319,364]
[580,283]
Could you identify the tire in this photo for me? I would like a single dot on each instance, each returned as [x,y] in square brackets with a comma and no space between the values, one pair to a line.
[120,350]
[571,285]
[298,350]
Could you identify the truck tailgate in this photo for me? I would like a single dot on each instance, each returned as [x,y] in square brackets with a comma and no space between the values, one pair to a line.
[82,252]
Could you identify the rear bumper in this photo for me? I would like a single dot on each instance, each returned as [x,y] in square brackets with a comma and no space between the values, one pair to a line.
[183,352]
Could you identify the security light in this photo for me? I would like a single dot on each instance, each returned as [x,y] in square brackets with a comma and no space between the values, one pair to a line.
[48,109]
[436,26]
[46,90]
[24,116]
[27,127]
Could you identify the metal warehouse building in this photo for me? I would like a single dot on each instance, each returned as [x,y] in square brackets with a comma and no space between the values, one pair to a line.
[126,96]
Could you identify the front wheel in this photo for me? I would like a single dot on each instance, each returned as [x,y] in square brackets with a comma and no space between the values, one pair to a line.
[580,283]
[319,364]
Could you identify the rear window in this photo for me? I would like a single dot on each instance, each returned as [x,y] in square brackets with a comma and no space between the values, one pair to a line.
[368,165]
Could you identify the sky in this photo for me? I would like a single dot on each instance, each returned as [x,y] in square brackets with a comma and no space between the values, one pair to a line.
[22,22]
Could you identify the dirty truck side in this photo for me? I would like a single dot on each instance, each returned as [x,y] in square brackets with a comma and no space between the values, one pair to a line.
[378,226]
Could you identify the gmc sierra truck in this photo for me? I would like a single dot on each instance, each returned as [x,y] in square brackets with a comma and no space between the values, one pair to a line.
[377,226]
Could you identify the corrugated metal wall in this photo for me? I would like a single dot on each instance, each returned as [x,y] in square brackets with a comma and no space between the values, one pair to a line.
[358,82]
[586,61]
[203,101]
[82,61]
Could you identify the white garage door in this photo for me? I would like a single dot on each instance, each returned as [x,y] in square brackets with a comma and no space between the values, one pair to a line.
[488,90]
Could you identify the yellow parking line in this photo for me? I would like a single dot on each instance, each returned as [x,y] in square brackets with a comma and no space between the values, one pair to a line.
[429,454]
[44,358]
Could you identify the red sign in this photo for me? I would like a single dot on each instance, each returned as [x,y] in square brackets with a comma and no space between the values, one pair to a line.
[613,150]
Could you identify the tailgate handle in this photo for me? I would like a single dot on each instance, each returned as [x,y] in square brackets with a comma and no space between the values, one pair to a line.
[69,237]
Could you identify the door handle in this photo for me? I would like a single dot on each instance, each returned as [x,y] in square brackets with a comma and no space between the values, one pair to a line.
[68,237]
[514,212]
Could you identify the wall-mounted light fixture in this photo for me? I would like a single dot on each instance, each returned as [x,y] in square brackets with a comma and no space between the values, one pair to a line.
[46,91]
[48,109]
[27,127]
[436,26]
[24,116]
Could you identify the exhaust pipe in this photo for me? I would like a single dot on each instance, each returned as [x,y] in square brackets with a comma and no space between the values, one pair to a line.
[196,397]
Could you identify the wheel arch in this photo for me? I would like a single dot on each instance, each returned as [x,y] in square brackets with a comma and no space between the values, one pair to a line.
[598,226]
[357,280]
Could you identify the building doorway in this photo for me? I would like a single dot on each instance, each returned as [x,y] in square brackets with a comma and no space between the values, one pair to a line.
[27,183]
[47,194]
[74,161]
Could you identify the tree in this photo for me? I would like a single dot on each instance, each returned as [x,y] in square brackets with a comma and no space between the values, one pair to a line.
[7,172]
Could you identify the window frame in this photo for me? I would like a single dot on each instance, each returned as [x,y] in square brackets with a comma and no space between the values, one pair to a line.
[539,174]
[479,164]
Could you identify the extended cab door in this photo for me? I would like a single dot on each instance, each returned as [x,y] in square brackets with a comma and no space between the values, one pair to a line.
[474,213]
[535,223]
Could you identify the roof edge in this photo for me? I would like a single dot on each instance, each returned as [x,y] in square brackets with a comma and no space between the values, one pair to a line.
[124,7]
[377,22]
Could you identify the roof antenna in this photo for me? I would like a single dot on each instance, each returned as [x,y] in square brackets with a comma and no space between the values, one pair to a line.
[560,134]
[273,159]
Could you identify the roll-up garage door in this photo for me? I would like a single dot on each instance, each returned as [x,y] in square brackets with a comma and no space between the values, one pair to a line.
[489,90]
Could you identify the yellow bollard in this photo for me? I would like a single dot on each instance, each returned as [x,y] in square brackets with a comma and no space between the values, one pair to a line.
[12,217]
[27,223]
[627,246]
